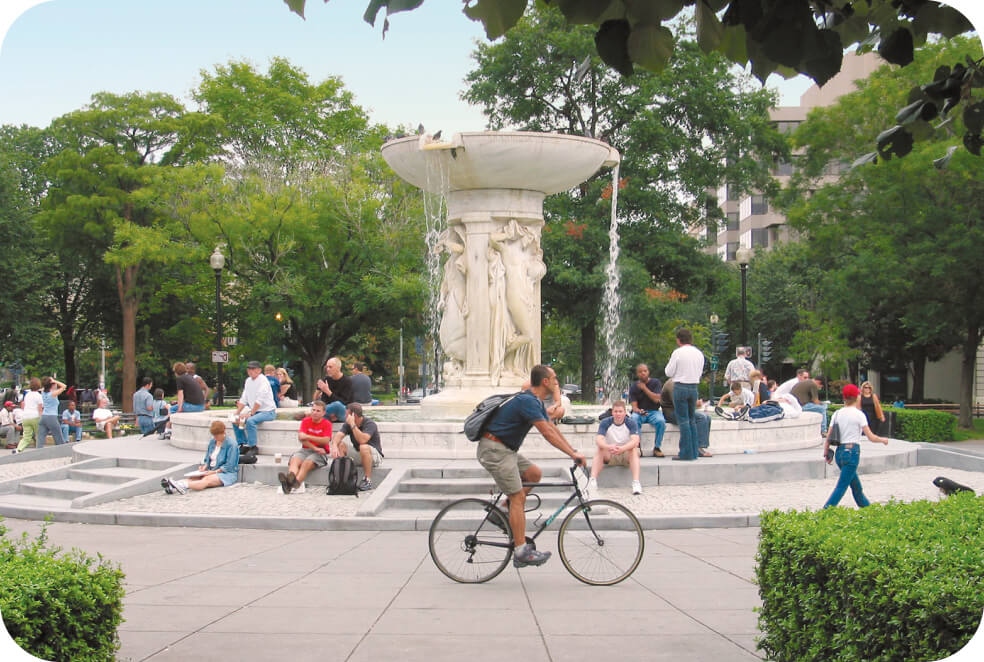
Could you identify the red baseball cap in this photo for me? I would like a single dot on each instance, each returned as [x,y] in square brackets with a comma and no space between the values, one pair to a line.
[8,403]
[851,391]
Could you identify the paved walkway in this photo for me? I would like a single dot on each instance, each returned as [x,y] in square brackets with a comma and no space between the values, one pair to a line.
[209,594]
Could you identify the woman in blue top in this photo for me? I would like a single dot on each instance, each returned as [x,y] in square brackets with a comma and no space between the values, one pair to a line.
[51,388]
[220,468]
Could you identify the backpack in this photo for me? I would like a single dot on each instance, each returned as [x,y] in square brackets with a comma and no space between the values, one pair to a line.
[342,477]
[477,421]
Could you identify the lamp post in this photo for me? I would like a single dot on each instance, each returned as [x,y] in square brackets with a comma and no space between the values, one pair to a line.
[743,257]
[217,261]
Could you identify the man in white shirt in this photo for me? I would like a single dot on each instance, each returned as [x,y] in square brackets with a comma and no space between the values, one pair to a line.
[255,406]
[787,386]
[685,367]
[738,369]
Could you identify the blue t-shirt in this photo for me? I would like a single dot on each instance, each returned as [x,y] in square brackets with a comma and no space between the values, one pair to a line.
[50,404]
[629,422]
[275,387]
[513,420]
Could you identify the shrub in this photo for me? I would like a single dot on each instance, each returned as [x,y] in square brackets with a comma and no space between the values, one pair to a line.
[917,424]
[59,606]
[892,582]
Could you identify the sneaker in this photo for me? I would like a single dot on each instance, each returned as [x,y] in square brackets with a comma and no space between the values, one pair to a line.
[286,483]
[742,413]
[167,435]
[365,485]
[720,412]
[658,453]
[180,487]
[591,490]
[636,487]
[527,555]
[166,484]
[703,452]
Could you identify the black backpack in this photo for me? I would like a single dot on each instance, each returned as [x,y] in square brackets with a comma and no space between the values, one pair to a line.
[342,477]
[477,420]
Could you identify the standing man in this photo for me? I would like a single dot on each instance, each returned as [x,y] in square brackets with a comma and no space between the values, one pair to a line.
[703,420]
[363,444]
[685,367]
[644,397]
[335,390]
[143,405]
[498,453]
[808,394]
[257,401]
[361,384]
[739,369]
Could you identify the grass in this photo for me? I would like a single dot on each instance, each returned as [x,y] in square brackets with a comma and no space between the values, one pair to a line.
[965,434]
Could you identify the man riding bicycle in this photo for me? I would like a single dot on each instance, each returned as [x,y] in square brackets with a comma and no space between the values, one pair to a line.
[498,453]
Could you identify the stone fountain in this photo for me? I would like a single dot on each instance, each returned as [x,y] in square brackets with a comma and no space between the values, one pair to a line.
[494,184]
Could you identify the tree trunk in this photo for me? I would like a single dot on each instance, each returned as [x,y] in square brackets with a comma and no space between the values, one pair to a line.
[589,344]
[918,375]
[126,285]
[68,352]
[967,364]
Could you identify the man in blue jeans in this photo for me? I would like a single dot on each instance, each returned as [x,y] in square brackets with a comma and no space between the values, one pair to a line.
[644,398]
[685,367]
[255,406]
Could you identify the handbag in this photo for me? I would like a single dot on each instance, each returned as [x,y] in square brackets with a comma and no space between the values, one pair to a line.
[834,438]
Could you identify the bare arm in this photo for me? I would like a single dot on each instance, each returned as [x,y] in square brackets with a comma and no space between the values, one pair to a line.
[872,436]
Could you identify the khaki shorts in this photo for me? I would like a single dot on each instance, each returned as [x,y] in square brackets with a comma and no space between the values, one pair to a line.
[350,450]
[505,465]
[622,459]
[311,455]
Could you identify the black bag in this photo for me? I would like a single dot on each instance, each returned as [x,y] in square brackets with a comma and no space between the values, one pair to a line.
[342,477]
[477,420]
[247,454]
[834,438]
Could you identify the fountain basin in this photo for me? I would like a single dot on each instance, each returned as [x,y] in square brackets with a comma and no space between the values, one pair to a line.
[443,439]
[519,160]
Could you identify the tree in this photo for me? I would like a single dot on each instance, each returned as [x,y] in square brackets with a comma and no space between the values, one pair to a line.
[928,264]
[103,191]
[679,132]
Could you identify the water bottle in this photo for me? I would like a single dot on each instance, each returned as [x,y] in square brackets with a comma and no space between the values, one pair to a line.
[749,451]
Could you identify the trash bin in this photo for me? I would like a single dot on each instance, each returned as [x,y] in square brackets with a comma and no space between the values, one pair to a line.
[890,426]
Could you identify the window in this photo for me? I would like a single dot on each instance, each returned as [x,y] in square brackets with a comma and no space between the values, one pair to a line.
[733,222]
[782,168]
[733,192]
[732,251]
[759,205]
[760,238]
[787,126]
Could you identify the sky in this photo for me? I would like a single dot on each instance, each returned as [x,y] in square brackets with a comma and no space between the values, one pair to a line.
[56,53]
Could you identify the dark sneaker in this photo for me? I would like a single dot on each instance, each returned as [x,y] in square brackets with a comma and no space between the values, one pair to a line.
[166,484]
[658,453]
[365,485]
[527,555]
[285,482]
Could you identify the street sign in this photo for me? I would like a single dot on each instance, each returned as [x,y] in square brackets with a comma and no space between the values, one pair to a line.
[220,357]
[714,363]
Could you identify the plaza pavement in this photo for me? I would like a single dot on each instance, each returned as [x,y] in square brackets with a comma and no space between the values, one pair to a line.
[249,594]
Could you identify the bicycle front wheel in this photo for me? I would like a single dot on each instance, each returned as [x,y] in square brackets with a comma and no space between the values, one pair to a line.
[470,541]
[601,542]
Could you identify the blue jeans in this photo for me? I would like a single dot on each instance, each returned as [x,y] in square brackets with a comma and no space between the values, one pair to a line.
[67,434]
[685,407]
[847,459]
[820,409]
[187,408]
[146,424]
[248,436]
[336,408]
[654,418]
[703,427]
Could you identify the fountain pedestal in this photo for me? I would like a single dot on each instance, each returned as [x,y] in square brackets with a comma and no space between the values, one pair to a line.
[494,184]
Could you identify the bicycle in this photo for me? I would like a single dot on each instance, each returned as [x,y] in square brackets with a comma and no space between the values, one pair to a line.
[600,541]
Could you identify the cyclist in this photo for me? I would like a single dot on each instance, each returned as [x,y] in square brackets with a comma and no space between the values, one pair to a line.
[498,453]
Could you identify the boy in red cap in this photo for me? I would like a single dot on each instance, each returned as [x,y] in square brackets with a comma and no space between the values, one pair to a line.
[851,423]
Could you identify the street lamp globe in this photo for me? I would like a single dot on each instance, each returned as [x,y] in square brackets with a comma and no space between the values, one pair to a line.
[742,256]
[217,259]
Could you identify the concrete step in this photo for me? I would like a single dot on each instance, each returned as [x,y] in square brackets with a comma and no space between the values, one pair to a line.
[469,485]
[35,501]
[549,473]
[111,475]
[434,502]
[140,463]
[62,489]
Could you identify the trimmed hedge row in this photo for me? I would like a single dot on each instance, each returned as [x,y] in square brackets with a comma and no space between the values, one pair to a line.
[59,606]
[884,583]
[919,424]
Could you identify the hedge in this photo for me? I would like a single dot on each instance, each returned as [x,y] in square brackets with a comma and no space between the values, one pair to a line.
[59,606]
[919,424]
[883,583]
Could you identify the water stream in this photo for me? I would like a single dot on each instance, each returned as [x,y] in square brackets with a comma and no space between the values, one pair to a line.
[438,176]
[611,381]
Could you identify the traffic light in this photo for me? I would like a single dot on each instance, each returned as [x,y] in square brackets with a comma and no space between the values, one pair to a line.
[766,354]
[721,340]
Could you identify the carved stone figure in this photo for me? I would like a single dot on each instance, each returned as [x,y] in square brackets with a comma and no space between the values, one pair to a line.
[453,305]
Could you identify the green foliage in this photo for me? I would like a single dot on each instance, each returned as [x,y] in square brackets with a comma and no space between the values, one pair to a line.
[59,606]
[884,583]
[924,424]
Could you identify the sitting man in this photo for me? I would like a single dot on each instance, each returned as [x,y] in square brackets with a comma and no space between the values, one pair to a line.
[257,400]
[8,425]
[702,419]
[270,372]
[104,418]
[71,422]
[645,400]
[335,390]
[618,445]
[808,394]
[556,403]
[362,445]
[315,437]
[361,384]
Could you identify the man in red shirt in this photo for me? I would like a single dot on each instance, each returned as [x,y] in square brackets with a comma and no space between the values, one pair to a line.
[314,435]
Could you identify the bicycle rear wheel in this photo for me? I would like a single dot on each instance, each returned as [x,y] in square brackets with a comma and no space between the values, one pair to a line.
[601,542]
[470,541]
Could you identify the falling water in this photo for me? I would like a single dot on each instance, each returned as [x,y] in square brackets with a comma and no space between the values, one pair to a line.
[615,345]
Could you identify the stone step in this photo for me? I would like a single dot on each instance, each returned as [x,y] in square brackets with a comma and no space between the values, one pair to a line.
[434,502]
[111,475]
[140,463]
[18,500]
[469,485]
[549,473]
[62,489]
